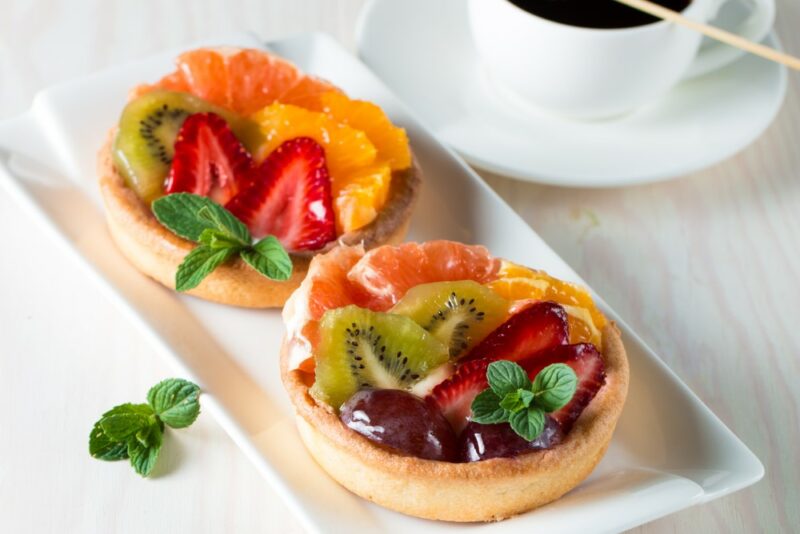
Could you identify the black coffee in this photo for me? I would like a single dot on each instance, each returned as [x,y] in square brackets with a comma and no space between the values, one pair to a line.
[594,13]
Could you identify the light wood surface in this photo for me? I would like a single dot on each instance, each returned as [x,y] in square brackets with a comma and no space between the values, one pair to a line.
[706,269]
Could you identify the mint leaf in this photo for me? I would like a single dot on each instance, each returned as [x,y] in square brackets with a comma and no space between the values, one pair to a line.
[145,435]
[554,387]
[225,222]
[104,448]
[187,215]
[528,423]
[215,239]
[198,264]
[101,445]
[175,401]
[505,377]
[269,258]
[512,402]
[220,235]
[526,396]
[135,431]
[143,453]
[122,426]
[486,408]
[143,409]
[512,397]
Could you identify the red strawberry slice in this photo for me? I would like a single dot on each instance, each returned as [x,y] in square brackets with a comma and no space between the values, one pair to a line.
[454,396]
[289,196]
[585,360]
[209,160]
[537,327]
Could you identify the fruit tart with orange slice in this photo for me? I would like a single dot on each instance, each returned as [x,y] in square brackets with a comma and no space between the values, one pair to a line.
[227,176]
[444,383]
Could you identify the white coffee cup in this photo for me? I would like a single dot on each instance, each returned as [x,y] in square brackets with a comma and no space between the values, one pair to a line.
[599,73]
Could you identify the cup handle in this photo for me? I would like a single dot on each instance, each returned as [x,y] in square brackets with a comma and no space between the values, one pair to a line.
[755,27]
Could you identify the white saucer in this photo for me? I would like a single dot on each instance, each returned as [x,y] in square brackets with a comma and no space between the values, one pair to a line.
[423,50]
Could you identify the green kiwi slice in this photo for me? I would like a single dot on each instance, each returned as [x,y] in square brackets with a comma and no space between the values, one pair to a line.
[459,314]
[361,349]
[145,142]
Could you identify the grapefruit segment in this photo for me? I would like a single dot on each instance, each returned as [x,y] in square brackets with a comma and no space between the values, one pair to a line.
[325,287]
[386,273]
[326,284]
[361,144]
[243,80]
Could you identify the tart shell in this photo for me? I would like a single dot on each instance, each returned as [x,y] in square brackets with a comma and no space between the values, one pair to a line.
[488,490]
[157,252]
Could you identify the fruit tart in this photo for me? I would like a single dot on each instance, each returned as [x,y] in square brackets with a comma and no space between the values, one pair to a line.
[441,382]
[224,178]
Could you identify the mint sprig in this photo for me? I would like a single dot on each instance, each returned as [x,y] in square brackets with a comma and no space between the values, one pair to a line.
[220,236]
[266,258]
[512,398]
[198,264]
[554,386]
[175,402]
[135,431]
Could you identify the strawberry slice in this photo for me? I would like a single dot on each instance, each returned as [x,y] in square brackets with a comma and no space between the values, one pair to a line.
[289,196]
[454,396]
[537,327]
[585,360]
[209,160]
[528,332]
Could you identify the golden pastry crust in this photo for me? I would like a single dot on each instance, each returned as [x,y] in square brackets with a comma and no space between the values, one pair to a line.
[157,252]
[489,490]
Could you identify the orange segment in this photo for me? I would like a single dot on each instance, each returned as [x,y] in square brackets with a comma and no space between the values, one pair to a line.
[573,295]
[243,80]
[518,288]
[359,184]
[357,204]
[391,141]
[517,283]
[386,273]
[346,148]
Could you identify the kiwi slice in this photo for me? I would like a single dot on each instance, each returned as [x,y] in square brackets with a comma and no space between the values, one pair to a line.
[459,314]
[361,349]
[145,141]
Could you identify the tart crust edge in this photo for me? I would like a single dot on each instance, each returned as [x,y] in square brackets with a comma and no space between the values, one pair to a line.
[489,490]
[157,252]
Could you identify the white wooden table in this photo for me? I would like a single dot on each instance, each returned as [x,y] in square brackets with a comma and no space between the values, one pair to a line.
[706,269]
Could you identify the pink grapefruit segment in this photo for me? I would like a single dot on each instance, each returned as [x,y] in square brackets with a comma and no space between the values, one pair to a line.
[386,273]
[242,80]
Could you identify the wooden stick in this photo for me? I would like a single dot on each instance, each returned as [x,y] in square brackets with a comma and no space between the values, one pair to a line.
[726,37]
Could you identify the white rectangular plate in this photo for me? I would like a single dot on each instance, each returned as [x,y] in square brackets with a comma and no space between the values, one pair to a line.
[669,451]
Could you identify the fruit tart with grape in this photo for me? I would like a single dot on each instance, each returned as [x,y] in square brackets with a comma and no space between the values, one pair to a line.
[224,178]
[444,383]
